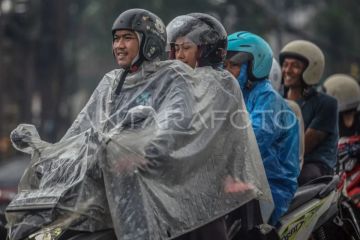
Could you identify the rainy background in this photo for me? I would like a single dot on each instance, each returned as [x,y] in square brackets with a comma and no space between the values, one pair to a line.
[53,53]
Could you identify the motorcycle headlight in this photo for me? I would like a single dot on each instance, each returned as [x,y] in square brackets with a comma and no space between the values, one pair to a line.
[47,234]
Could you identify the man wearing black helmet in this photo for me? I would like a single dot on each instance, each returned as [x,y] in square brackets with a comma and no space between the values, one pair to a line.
[139,39]
[126,45]
[124,102]
[194,162]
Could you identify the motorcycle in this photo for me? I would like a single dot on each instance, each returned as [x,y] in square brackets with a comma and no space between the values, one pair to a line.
[66,191]
[313,205]
[349,154]
[38,210]
[321,209]
[10,174]
[349,167]
[325,208]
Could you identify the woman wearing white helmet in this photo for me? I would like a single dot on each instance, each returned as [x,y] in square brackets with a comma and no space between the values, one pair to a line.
[347,92]
[302,65]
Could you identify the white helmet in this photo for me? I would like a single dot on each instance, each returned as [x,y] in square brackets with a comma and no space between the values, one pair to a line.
[345,89]
[275,75]
[310,54]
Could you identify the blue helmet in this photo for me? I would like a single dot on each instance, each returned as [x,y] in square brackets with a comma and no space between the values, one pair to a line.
[250,47]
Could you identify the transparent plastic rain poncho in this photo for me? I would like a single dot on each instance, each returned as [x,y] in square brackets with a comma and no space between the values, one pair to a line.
[171,153]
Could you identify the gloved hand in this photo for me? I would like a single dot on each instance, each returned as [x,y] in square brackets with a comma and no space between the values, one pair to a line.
[24,136]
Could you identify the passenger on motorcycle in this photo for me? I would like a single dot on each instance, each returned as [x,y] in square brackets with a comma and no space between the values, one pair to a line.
[276,81]
[346,90]
[249,59]
[200,41]
[302,65]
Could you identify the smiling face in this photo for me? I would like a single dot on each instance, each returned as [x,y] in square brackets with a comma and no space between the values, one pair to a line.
[186,51]
[125,47]
[292,70]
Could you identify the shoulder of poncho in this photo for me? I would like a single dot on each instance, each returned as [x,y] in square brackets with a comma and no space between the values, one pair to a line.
[222,78]
[110,77]
[178,66]
[113,73]
[181,72]
[107,80]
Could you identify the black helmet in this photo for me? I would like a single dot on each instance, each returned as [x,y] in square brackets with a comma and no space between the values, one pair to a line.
[205,31]
[151,26]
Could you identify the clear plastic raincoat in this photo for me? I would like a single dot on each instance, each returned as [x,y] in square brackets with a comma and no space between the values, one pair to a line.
[170,153]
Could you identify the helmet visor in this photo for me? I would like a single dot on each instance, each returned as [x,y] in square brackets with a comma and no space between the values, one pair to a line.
[186,26]
[238,57]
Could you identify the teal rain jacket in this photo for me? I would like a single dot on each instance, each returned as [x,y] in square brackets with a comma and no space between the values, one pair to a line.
[277,133]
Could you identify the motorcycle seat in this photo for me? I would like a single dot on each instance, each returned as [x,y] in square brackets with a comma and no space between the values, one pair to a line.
[304,194]
[316,188]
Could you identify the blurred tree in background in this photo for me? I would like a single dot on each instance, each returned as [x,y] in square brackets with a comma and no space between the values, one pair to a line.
[53,53]
[337,29]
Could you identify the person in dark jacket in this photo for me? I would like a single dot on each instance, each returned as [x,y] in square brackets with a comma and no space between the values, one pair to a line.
[302,65]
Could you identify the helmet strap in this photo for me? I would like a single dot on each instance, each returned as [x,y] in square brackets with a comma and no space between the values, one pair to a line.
[139,59]
[122,80]
[133,68]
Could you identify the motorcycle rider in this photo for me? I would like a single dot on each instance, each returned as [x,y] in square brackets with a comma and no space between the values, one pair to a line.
[199,40]
[302,65]
[347,92]
[249,59]
[275,79]
[138,40]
